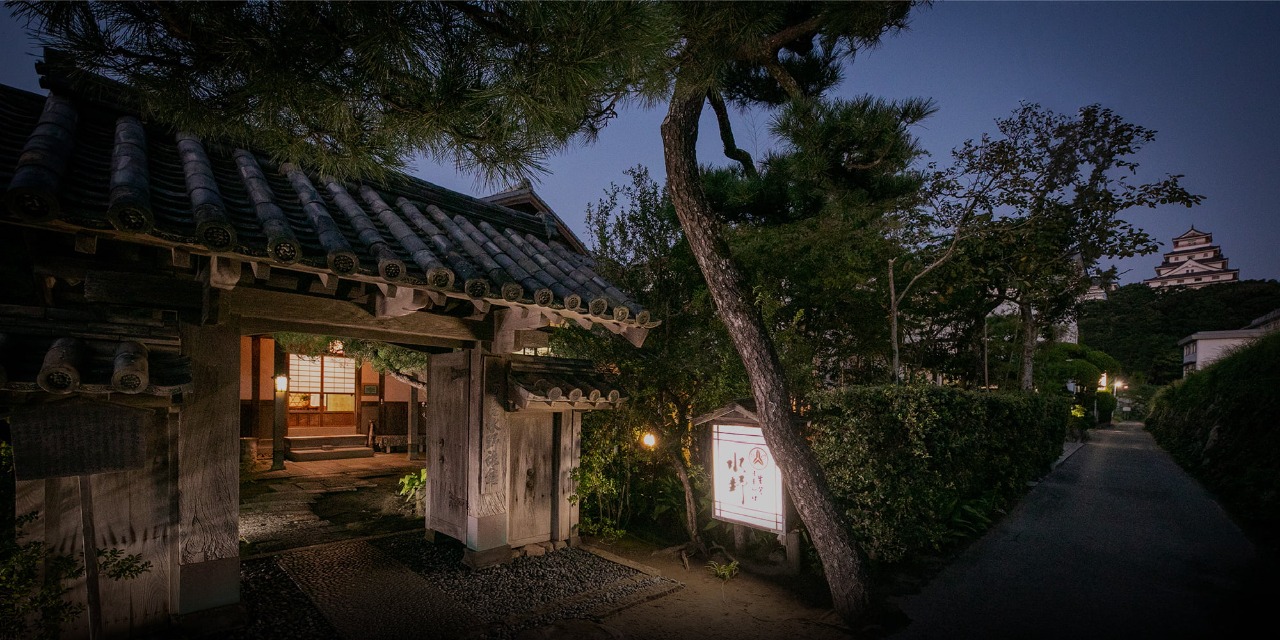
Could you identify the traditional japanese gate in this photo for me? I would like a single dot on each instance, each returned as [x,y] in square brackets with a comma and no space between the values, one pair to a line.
[117,229]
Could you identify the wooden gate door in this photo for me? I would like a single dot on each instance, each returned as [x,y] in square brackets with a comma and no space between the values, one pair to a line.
[531,479]
[449,396]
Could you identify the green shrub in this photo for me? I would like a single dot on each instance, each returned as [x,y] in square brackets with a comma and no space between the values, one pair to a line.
[1106,406]
[413,488]
[916,468]
[1220,425]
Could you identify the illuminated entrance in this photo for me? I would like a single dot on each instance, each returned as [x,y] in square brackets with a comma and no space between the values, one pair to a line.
[322,395]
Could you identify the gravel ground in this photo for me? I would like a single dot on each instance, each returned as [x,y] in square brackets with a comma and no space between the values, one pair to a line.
[509,599]
[527,592]
[275,608]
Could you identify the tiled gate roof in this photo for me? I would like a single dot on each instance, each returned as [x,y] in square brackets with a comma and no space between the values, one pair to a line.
[83,167]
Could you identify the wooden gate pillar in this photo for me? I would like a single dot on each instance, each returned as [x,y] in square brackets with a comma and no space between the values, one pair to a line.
[207,562]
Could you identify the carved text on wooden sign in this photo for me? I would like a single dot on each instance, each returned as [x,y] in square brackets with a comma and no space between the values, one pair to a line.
[77,437]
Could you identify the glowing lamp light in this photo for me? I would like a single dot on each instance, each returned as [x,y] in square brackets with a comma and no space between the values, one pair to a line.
[282,384]
[649,440]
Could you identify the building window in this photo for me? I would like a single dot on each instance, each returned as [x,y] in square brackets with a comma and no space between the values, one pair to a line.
[322,392]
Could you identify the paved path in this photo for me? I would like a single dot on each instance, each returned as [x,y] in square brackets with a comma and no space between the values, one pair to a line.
[1117,542]
[366,595]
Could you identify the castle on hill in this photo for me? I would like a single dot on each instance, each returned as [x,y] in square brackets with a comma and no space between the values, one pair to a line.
[1194,262]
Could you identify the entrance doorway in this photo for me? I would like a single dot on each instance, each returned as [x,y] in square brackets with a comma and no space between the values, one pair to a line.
[322,396]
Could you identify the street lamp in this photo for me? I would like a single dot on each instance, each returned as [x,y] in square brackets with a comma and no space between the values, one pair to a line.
[649,440]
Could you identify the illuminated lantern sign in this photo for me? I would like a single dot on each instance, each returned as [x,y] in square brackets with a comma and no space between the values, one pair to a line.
[748,485]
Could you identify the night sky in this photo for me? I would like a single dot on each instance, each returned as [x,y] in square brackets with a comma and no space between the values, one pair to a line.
[1203,75]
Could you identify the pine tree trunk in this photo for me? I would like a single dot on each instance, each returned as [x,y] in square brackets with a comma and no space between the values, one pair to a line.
[842,561]
[1029,334]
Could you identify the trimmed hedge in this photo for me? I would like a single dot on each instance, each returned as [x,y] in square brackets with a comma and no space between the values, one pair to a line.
[1220,424]
[915,468]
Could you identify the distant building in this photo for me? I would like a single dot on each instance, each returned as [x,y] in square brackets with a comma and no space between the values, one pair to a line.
[1194,262]
[1203,348]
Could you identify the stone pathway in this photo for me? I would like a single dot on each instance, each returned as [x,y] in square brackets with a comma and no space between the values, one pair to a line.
[366,595]
[278,509]
[1117,542]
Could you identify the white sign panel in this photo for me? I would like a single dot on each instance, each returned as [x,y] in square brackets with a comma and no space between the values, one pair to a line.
[748,485]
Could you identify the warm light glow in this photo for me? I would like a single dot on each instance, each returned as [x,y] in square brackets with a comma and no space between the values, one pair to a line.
[282,384]
[649,440]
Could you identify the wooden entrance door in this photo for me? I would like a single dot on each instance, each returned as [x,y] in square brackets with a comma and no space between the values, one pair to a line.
[531,479]
[449,396]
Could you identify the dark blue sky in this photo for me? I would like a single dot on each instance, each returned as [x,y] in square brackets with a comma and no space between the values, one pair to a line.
[1202,74]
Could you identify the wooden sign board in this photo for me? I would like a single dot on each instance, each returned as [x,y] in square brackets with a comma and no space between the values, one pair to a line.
[77,437]
[747,481]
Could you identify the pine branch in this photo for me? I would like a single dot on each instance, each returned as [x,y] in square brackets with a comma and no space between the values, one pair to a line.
[731,149]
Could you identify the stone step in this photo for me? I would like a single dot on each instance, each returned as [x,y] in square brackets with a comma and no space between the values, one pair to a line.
[295,432]
[334,453]
[318,442]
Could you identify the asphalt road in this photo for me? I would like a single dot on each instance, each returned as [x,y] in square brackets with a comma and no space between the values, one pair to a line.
[1117,542]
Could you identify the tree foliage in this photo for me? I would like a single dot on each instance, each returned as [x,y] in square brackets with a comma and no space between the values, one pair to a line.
[685,368]
[1051,189]
[355,87]
[1141,326]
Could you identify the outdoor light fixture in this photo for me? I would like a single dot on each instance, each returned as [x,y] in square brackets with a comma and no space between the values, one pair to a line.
[282,384]
[649,440]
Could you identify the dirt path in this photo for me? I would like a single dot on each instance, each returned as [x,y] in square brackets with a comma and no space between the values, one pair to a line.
[747,606]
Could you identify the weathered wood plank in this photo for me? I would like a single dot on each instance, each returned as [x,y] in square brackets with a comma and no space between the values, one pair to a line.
[338,316]
[133,516]
[118,287]
[531,481]
[209,446]
[448,387]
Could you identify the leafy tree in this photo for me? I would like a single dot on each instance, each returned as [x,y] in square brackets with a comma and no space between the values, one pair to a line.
[1054,187]
[945,203]
[686,366]
[1141,326]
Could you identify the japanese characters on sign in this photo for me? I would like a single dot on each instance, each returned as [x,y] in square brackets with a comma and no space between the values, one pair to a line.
[748,485]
